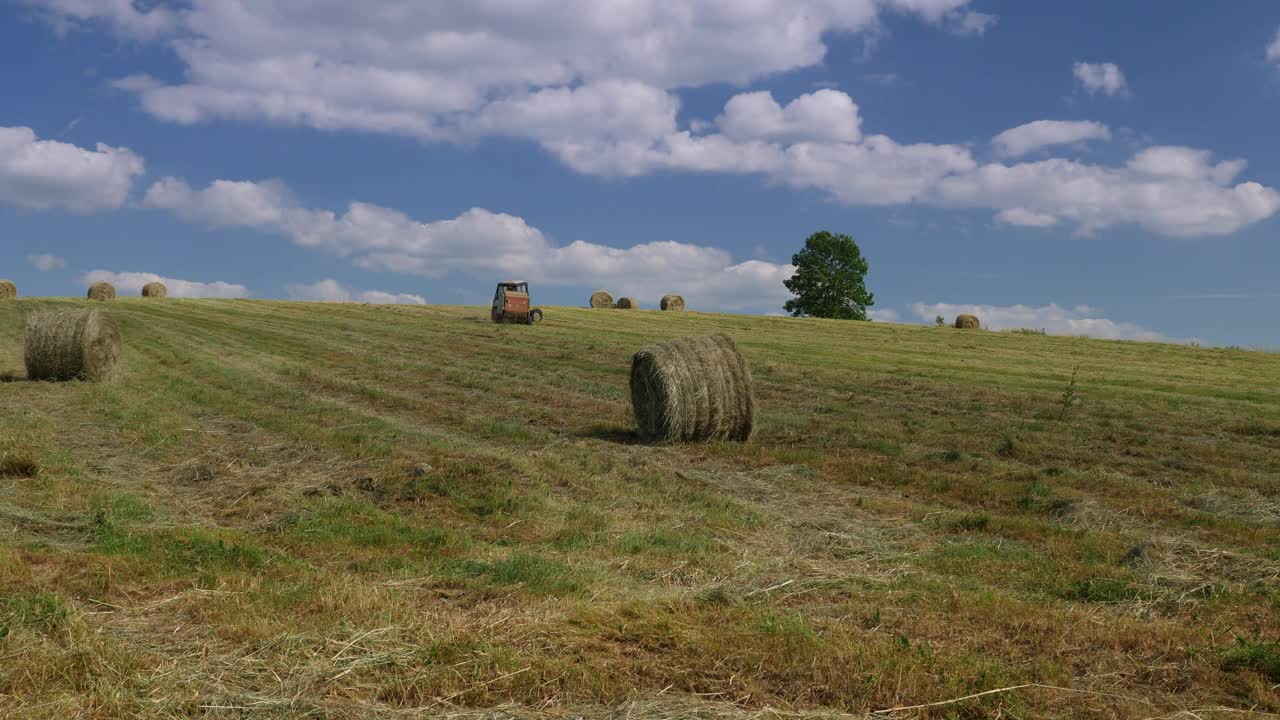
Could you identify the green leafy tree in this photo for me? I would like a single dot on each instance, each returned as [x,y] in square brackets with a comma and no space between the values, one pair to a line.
[830,279]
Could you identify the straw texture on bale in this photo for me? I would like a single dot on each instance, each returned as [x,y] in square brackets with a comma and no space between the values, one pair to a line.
[102,291]
[601,300]
[155,290]
[8,291]
[672,302]
[625,303]
[967,322]
[72,345]
[692,389]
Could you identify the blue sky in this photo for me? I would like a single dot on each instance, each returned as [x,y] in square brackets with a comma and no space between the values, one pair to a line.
[1088,167]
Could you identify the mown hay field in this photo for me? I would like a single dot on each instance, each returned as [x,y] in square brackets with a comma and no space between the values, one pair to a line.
[301,510]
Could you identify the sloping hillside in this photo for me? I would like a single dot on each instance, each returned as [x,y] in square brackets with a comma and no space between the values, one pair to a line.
[299,510]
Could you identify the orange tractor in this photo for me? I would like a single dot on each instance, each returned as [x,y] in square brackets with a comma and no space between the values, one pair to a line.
[511,304]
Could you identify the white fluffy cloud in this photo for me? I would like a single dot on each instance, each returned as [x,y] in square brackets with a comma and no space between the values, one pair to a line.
[47,174]
[1172,191]
[596,85]
[331,290]
[1273,50]
[131,283]
[431,69]
[1046,133]
[478,242]
[45,262]
[825,115]
[1104,78]
[1053,319]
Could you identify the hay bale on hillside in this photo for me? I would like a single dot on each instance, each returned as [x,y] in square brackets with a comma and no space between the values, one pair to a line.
[601,300]
[967,322]
[674,303]
[8,291]
[102,291]
[625,303]
[155,290]
[72,345]
[692,389]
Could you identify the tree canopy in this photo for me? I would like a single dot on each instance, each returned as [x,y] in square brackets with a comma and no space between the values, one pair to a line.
[830,279]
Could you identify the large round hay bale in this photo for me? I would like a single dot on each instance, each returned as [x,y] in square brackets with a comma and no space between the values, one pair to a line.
[601,300]
[672,302]
[967,322]
[625,303]
[155,290]
[8,291]
[102,291]
[72,345]
[692,389]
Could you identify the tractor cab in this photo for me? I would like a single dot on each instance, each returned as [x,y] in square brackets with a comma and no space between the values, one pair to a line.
[511,303]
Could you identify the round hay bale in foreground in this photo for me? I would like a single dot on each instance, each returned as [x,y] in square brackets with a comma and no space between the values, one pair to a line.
[601,300]
[672,302]
[102,291]
[155,290]
[967,322]
[625,303]
[72,345]
[692,389]
[8,291]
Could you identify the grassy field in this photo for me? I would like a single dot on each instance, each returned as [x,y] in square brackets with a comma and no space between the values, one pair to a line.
[296,510]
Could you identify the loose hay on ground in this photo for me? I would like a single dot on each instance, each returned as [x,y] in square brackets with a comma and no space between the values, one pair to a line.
[72,345]
[8,291]
[693,389]
[601,300]
[625,303]
[102,291]
[155,290]
[967,322]
[672,302]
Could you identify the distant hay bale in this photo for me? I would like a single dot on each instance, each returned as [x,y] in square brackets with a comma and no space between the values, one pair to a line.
[601,300]
[102,291]
[72,345]
[692,389]
[672,302]
[967,322]
[8,291]
[155,290]
[625,303]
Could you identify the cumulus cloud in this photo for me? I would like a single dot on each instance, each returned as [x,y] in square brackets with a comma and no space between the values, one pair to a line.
[125,16]
[825,115]
[45,262]
[331,290]
[1104,78]
[131,283]
[48,175]
[1165,190]
[1273,50]
[477,242]
[888,315]
[1053,319]
[1046,133]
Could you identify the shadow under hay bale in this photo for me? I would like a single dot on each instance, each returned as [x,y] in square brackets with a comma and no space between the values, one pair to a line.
[8,291]
[967,322]
[155,290]
[625,303]
[102,291]
[674,303]
[601,300]
[73,345]
[692,389]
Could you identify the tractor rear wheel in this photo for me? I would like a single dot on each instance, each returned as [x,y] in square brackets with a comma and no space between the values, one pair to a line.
[535,315]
